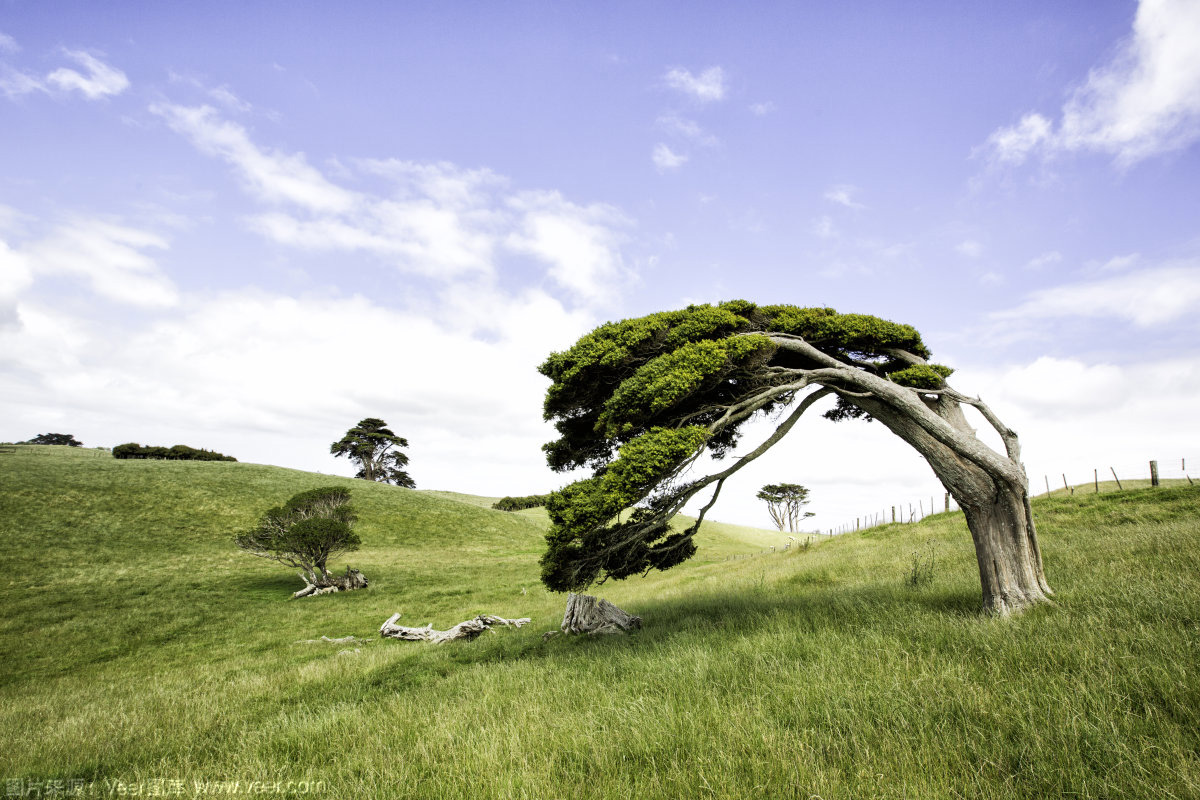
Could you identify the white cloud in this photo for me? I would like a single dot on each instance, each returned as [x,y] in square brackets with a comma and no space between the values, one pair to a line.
[248,374]
[8,44]
[434,219]
[970,248]
[665,158]
[706,87]
[762,109]
[1145,102]
[991,279]
[15,83]
[1144,298]
[579,243]
[1044,260]
[1117,263]
[110,257]
[823,227]
[15,277]
[274,176]
[685,128]
[843,195]
[101,79]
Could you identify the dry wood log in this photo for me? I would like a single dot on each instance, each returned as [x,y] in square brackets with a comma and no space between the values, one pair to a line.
[464,630]
[595,616]
[353,579]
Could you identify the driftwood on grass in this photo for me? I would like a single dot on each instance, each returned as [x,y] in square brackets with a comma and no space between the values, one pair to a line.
[462,631]
[353,579]
[594,616]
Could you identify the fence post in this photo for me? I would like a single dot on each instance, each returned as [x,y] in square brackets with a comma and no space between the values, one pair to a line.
[1115,478]
[1096,478]
[1154,473]
[1047,477]
[947,501]
[893,513]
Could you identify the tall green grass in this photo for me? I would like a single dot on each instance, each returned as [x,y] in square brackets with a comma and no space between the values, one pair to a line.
[139,646]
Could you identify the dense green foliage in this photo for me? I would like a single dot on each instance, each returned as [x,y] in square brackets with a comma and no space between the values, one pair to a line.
[682,370]
[55,438]
[376,450]
[306,531]
[521,503]
[179,452]
[137,656]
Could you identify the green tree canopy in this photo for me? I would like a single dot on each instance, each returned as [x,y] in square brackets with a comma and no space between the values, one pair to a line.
[639,401]
[55,438]
[784,501]
[305,532]
[376,450]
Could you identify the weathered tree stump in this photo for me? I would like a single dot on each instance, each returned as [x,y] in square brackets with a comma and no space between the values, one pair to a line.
[464,631]
[595,616]
[353,579]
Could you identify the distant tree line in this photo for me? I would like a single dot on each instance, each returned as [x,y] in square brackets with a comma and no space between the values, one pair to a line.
[518,503]
[180,452]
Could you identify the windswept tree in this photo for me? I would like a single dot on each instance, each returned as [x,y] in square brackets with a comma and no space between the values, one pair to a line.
[376,450]
[55,438]
[784,501]
[304,533]
[640,401]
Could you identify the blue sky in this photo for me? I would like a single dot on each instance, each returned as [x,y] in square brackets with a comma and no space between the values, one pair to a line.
[247,226]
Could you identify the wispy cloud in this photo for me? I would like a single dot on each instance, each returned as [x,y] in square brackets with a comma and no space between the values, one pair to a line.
[100,81]
[273,175]
[762,109]
[436,219]
[823,227]
[1145,298]
[1044,260]
[707,87]
[970,248]
[112,258]
[843,195]
[685,128]
[1144,102]
[665,158]
[8,44]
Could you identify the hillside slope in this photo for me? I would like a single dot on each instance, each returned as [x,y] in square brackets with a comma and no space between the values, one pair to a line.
[139,646]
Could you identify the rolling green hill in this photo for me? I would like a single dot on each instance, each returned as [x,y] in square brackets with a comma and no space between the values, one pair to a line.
[140,648]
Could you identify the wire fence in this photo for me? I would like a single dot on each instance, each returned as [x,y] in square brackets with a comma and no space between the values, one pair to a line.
[1111,478]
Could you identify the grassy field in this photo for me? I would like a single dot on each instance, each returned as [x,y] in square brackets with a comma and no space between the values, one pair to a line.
[143,653]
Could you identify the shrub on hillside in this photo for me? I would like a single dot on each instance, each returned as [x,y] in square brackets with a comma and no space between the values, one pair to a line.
[180,452]
[518,503]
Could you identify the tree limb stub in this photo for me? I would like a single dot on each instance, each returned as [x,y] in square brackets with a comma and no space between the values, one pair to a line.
[353,579]
[464,631]
[596,616]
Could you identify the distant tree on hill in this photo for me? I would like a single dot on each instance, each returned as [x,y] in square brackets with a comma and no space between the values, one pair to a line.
[304,533]
[641,401]
[376,450]
[55,438]
[784,501]
[519,503]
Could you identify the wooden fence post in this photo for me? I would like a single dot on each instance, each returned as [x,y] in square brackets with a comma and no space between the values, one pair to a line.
[1115,478]
[1096,478]
[1154,473]
[947,501]
[1047,477]
[893,513]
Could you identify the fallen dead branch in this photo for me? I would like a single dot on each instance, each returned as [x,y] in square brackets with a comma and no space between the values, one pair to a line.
[462,631]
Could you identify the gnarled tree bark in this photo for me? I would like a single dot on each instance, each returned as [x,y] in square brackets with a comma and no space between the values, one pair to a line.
[316,583]
[595,616]
[463,631]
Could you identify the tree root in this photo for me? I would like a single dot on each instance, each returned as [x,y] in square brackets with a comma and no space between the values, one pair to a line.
[353,579]
[595,617]
[462,631]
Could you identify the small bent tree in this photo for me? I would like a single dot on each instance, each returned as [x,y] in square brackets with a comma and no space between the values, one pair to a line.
[375,449]
[304,533]
[784,501]
[639,401]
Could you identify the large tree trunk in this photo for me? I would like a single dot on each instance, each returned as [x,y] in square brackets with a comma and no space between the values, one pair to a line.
[994,497]
[1006,547]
